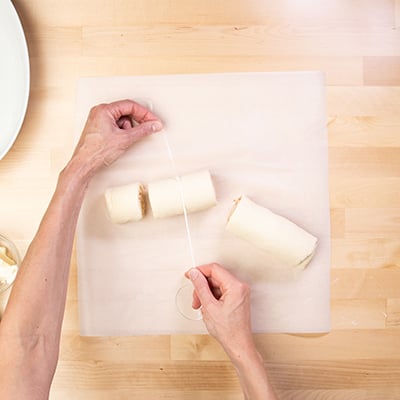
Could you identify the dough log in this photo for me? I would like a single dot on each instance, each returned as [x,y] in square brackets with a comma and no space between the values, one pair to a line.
[271,232]
[197,190]
[125,203]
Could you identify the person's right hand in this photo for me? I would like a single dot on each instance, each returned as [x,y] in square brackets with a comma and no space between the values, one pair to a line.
[225,305]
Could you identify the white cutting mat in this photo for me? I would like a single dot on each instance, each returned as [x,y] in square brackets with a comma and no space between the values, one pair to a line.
[260,134]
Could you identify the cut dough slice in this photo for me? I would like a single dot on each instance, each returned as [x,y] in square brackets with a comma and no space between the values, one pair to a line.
[7,272]
[5,257]
[195,191]
[125,203]
[271,232]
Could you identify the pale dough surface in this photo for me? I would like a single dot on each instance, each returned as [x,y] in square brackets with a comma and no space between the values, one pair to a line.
[194,190]
[125,203]
[271,232]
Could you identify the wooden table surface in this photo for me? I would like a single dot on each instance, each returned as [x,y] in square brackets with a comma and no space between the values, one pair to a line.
[357,45]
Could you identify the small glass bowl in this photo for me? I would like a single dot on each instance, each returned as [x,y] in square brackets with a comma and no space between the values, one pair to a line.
[13,253]
[183,299]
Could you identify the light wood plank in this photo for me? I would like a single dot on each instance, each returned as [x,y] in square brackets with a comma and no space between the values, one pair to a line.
[393,313]
[358,314]
[381,101]
[19,162]
[228,40]
[332,12]
[115,349]
[361,374]
[365,283]
[354,192]
[177,376]
[26,202]
[46,40]
[221,376]
[369,252]
[373,13]
[337,222]
[379,222]
[367,131]
[362,162]
[382,71]
[338,70]
[338,345]
[147,394]
[353,394]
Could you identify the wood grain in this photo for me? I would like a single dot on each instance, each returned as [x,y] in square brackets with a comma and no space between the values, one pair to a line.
[355,344]
[357,45]
[338,70]
[393,313]
[382,71]
[255,40]
[351,252]
[364,131]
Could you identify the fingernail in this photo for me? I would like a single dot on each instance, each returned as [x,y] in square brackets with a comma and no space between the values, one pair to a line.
[193,273]
[156,126]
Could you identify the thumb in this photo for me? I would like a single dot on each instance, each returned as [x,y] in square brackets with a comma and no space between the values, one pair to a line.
[144,129]
[201,287]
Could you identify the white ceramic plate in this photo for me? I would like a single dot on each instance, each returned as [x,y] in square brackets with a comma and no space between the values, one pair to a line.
[14,76]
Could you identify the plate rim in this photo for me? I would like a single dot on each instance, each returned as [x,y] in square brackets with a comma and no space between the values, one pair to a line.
[25,99]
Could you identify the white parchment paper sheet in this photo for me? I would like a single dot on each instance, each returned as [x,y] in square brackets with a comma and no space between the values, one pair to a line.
[260,134]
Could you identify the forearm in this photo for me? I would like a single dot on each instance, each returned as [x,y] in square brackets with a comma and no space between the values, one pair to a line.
[225,305]
[35,310]
[31,326]
[252,375]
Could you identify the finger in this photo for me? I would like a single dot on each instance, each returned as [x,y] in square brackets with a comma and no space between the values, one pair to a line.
[218,276]
[129,107]
[214,280]
[142,130]
[215,290]
[196,304]
[201,287]
[125,123]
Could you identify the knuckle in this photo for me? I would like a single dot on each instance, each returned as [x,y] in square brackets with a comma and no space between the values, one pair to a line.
[142,130]
[98,108]
[243,289]
[216,265]
[145,116]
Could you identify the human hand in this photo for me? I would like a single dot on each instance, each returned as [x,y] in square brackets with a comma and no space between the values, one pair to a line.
[225,305]
[110,130]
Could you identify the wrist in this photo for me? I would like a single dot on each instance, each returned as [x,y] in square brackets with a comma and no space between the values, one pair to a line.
[75,177]
[77,171]
[247,359]
[249,366]
[241,349]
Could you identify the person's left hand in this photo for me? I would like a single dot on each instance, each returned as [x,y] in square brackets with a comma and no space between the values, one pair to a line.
[111,129]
